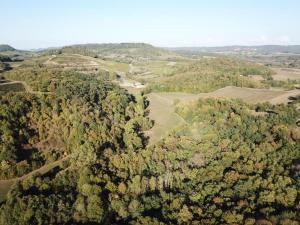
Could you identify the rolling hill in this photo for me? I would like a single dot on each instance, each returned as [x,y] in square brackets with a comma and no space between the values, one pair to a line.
[207,75]
[77,148]
[5,48]
[124,52]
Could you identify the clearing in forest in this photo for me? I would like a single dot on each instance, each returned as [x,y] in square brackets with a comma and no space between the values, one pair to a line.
[162,111]
[249,95]
[162,105]
[284,74]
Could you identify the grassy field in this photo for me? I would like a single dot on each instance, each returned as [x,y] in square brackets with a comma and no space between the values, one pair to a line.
[162,111]
[162,105]
[283,74]
[71,61]
[155,70]
[249,95]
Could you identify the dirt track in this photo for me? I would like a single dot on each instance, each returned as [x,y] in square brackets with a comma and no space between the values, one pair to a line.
[6,184]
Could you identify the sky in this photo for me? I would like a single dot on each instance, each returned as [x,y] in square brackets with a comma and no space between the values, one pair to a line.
[29,24]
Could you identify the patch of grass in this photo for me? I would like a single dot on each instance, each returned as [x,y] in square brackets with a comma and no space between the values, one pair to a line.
[162,111]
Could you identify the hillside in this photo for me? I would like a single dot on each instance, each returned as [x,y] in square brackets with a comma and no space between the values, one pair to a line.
[125,52]
[210,74]
[77,148]
[4,48]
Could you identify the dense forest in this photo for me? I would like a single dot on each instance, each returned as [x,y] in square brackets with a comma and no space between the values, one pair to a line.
[240,165]
[73,147]
[150,112]
[81,117]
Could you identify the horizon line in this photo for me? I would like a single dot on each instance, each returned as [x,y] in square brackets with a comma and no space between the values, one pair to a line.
[158,46]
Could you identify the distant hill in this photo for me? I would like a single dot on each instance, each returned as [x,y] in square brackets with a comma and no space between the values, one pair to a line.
[9,54]
[122,51]
[4,48]
[261,49]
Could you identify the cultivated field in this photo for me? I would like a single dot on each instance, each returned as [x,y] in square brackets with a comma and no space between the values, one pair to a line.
[155,71]
[249,95]
[76,61]
[286,73]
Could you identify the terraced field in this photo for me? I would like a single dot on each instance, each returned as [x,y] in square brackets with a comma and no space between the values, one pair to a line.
[76,61]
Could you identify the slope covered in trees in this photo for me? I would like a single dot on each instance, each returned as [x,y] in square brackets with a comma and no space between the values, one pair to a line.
[4,48]
[240,168]
[40,128]
[210,74]
[229,163]
[125,52]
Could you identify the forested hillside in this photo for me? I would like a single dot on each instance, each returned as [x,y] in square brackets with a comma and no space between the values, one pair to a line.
[74,149]
[80,116]
[210,74]
[125,52]
[4,48]
[242,169]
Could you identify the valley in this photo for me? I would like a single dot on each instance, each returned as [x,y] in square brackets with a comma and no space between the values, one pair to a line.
[150,112]
[140,125]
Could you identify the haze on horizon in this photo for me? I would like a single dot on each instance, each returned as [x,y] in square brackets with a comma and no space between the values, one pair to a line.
[32,24]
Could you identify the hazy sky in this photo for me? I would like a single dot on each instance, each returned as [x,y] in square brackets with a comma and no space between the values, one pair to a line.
[27,24]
